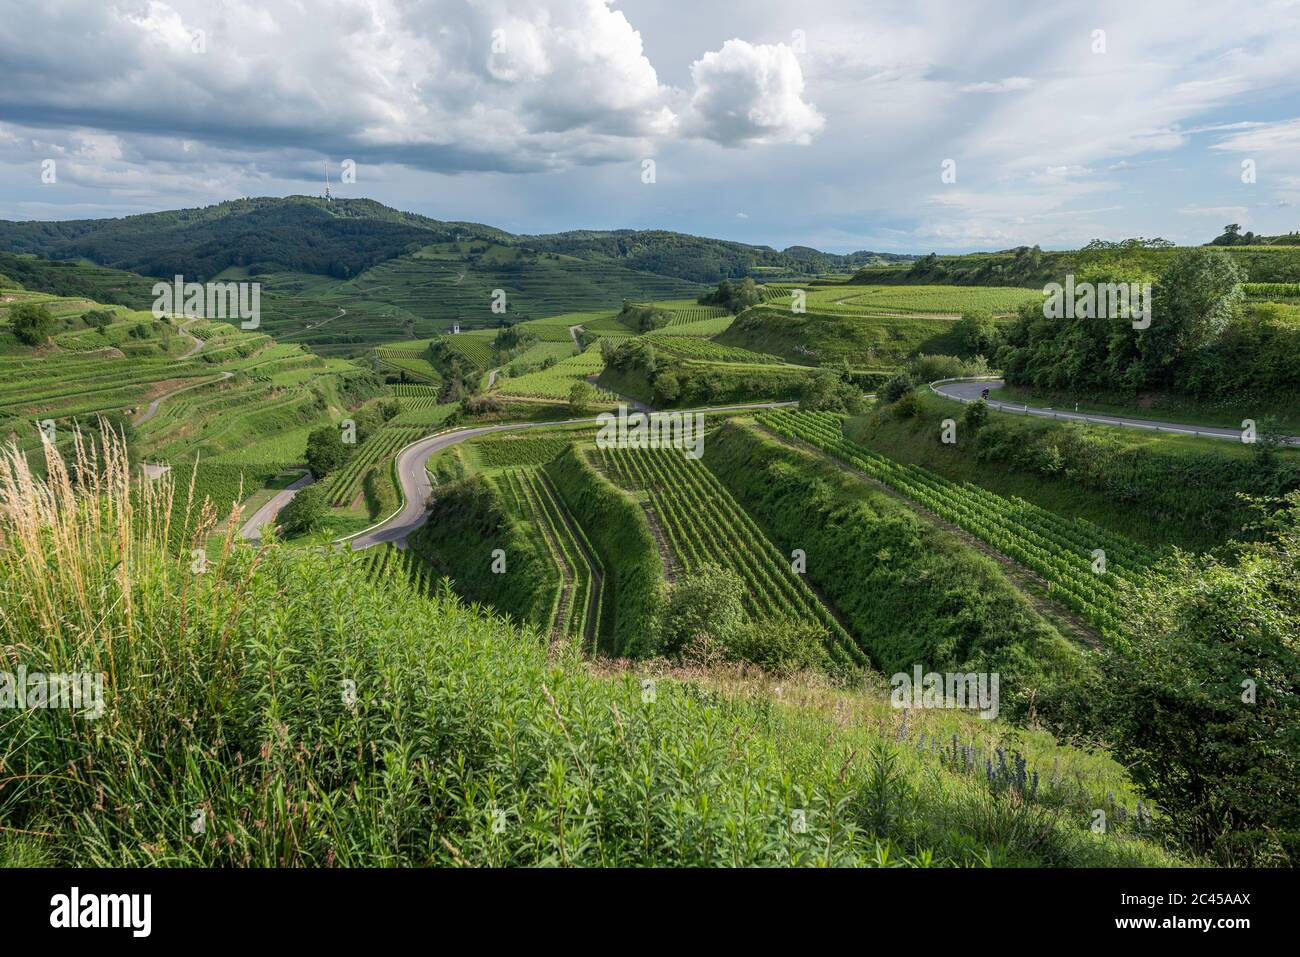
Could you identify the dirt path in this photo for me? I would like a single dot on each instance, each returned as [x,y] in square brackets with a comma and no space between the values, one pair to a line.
[152,408]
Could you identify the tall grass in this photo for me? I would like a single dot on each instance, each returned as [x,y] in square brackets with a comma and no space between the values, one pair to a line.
[229,737]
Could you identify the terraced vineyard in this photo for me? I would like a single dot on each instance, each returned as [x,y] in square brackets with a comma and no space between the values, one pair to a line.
[703,350]
[345,485]
[705,524]
[576,605]
[386,562]
[556,382]
[1060,550]
[942,300]
[474,347]
[702,328]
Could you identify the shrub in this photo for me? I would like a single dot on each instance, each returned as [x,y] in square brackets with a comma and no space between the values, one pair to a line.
[780,646]
[1204,700]
[708,601]
[977,414]
[305,512]
[31,322]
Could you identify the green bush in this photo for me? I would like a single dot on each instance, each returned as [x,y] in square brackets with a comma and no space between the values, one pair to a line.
[1204,697]
[31,322]
[305,512]
[709,601]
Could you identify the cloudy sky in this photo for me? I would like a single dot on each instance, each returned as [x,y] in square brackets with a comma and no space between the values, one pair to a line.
[907,126]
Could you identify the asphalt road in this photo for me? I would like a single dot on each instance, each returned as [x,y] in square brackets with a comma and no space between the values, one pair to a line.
[268,512]
[970,392]
[416,487]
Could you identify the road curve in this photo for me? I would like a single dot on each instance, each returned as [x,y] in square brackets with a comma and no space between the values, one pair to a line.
[416,487]
[268,512]
[970,392]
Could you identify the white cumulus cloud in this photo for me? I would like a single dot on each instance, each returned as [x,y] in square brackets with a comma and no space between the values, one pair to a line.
[750,93]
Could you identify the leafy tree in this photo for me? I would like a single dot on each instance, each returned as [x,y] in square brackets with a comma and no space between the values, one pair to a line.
[735,297]
[709,601]
[325,450]
[1205,696]
[977,332]
[1197,296]
[99,319]
[897,386]
[581,398]
[31,322]
[305,512]
[825,391]
[667,388]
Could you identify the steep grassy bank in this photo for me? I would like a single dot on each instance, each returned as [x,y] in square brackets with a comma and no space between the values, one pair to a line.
[620,534]
[490,556]
[281,707]
[911,592]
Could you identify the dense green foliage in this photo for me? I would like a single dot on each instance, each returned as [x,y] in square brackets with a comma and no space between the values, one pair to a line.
[305,512]
[621,538]
[490,555]
[31,322]
[1204,697]
[735,297]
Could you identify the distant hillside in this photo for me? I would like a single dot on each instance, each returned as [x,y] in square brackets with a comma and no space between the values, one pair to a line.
[345,237]
[699,259]
[1031,266]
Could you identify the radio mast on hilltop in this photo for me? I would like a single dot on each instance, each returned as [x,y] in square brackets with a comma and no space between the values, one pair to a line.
[328,197]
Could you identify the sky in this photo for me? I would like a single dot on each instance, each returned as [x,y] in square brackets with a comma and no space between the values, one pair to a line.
[892,126]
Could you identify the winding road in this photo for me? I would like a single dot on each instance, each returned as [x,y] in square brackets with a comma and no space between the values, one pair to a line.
[267,513]
[416,487]
[970,392]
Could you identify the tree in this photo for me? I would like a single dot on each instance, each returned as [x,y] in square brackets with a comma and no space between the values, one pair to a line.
[1205,695]
[305,512]
[325,450]
[99,319]
[31,322]
[668,388]
[977,333]
[581,398]
[825,391]
[709,601]
[1196,297]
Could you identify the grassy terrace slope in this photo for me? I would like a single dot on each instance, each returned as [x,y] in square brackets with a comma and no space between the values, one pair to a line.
[241,402]
[910,592]
[465,743]
[825,337]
